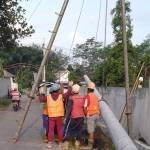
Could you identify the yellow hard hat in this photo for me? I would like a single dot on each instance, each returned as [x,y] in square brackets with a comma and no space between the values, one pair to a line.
[91,85]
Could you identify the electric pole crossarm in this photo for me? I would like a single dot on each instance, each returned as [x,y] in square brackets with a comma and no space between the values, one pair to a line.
[31,95]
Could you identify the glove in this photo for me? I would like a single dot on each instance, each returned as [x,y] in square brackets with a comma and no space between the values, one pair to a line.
[70,83]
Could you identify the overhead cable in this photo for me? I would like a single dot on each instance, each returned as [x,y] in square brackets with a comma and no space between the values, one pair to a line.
[98,19]
[76,27]
[34,10]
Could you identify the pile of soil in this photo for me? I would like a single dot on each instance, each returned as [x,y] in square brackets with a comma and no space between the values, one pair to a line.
[101,141]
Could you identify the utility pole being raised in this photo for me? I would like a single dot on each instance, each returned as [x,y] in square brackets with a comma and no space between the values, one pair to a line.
[43,77]
[31,95]
[128,111]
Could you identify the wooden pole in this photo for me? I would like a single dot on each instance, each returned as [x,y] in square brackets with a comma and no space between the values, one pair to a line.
[31,95]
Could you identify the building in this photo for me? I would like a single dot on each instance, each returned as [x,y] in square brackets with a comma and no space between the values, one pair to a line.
[7,84]
[62,76]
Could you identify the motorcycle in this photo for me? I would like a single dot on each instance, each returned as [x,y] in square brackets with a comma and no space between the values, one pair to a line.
[15,105]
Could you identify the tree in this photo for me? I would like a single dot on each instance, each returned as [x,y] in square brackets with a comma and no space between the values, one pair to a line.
[144,47]
[73,77]
[115,59]
[89,53]
[13,25]
[1,68]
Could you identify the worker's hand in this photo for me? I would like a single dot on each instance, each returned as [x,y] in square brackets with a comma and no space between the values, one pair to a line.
[64,121]
[70,83]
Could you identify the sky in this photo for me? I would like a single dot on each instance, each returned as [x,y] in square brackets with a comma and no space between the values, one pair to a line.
[44,19]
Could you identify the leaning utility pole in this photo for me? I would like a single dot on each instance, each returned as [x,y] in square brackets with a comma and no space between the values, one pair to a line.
[31,95]
[128,111]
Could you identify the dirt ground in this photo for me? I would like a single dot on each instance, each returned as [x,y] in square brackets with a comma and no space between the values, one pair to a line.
[2,110]
[101,141]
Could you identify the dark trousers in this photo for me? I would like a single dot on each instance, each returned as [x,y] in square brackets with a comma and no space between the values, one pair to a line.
[74,124]
[45,124]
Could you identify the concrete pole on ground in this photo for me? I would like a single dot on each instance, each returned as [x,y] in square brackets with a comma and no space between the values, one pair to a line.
[118,135]
[31,95]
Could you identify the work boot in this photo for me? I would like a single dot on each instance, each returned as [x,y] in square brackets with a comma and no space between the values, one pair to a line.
[77,144]
[55,137]
[45,139]
[89,146]
[65,145]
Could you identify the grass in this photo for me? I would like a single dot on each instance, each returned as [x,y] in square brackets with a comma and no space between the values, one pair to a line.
[5,103]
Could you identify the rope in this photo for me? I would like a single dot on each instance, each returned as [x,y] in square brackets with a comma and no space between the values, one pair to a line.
[34,10]
[98,19]
[104,47]
[76,28]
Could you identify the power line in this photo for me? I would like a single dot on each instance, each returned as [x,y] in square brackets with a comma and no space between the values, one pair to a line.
[98,19]
[76,27]
[34,10]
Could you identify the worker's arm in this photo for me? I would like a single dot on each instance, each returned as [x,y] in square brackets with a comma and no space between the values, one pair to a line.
[42,98]
[85,111]
[67,94]
[68,110]
[86,103]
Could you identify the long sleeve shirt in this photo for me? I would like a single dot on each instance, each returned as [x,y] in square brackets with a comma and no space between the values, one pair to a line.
[69,108]
[55,95]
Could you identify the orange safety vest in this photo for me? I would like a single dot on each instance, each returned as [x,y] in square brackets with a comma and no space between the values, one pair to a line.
[93,108]
[45,111]
[55,108]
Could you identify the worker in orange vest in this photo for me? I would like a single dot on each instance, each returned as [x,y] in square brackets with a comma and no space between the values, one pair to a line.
[76,121]
[92,113]
[45,119]
[55,109]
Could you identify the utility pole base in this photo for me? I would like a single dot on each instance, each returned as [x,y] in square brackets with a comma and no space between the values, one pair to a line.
[14,140]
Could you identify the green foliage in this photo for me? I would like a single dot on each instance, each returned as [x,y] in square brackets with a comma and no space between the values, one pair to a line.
[117,23]
[113,68]
[5,103]
[90,55]
[72,76]
[1,68]
[144,48]
[13,25]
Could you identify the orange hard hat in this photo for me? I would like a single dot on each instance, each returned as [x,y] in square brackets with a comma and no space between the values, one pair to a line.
[91,85]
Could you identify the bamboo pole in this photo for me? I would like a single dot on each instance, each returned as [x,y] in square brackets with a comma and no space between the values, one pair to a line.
[132,91]
[31,95]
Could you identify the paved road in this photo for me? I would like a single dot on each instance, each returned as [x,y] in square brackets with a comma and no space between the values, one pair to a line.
[31,136]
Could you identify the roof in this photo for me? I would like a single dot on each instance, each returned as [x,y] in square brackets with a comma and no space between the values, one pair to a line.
[7,74]
[61,73]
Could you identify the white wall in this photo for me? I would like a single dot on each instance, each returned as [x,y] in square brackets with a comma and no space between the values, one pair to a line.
[140,109]
[4,84]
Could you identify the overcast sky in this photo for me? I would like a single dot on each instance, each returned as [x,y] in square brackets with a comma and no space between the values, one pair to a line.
[44,19]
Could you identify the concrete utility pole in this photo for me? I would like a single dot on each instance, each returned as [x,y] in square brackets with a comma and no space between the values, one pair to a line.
[31,95]
[128,111]
[44,65]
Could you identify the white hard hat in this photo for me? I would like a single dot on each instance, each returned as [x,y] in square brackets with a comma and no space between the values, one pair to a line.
[75,88]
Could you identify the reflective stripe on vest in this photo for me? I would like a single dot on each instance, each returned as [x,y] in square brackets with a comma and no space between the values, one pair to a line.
[93,108]
[77,108]
[15,95]
[55,108]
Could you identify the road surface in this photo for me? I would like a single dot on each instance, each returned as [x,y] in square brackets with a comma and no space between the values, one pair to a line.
[31,136]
